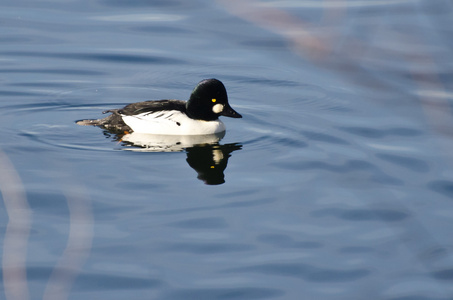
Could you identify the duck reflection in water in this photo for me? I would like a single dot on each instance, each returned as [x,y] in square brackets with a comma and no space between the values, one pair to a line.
[210,161]
[204,153]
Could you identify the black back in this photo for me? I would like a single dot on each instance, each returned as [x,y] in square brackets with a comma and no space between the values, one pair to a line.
[152,106]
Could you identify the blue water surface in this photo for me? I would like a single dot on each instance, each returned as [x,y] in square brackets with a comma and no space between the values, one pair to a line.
[337,183]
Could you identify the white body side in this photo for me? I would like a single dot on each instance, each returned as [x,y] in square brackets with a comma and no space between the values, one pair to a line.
[171,123]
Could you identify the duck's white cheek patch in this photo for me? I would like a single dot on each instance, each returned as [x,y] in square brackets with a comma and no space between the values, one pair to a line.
[218,108]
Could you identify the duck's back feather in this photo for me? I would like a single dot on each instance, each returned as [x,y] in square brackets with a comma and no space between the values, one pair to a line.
[115,122]
[152,106]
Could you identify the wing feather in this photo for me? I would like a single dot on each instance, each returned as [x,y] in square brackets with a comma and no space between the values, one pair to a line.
[153,106]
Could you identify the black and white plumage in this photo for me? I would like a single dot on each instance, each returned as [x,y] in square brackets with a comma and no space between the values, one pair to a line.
[199,115]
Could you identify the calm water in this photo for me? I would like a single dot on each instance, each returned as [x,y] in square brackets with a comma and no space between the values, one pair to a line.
[336,184]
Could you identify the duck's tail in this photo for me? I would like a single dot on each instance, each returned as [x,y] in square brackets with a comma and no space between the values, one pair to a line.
[114,122]
[90,122]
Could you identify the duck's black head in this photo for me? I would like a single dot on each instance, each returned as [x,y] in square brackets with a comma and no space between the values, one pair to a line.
[209,101]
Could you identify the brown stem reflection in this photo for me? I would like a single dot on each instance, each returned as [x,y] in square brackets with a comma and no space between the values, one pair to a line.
[15,242]
[78,246]
[17,231]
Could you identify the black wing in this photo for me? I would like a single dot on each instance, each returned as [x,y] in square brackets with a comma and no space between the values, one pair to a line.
[152,105]
[115,123]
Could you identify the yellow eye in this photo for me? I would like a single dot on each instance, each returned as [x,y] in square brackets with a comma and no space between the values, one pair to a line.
[212,167]
[214,100]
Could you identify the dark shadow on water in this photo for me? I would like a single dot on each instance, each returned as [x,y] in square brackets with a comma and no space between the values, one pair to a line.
[205,154]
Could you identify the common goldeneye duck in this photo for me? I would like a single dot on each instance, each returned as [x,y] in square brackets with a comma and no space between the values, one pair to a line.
[198,115]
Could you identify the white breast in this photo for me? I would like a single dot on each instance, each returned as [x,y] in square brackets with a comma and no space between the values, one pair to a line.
[171,122]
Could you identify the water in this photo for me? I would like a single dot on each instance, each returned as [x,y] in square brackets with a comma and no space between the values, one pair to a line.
[336,184]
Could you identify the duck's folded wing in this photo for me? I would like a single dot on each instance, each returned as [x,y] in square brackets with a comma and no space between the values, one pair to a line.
[152,106]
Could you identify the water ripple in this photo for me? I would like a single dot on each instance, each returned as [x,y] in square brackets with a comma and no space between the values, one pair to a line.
[174,4]
[285,241]
[444,187]
[446,274]
[207,248]
[385,215]
[306,272]
[352,170]
[324,137]
[140,18]
[108,57]
[224,293]
[54,71]
[410,163]
[99,281]
[201,223]
[376,133]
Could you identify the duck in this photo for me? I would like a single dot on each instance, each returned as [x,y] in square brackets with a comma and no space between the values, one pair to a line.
[197,116]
